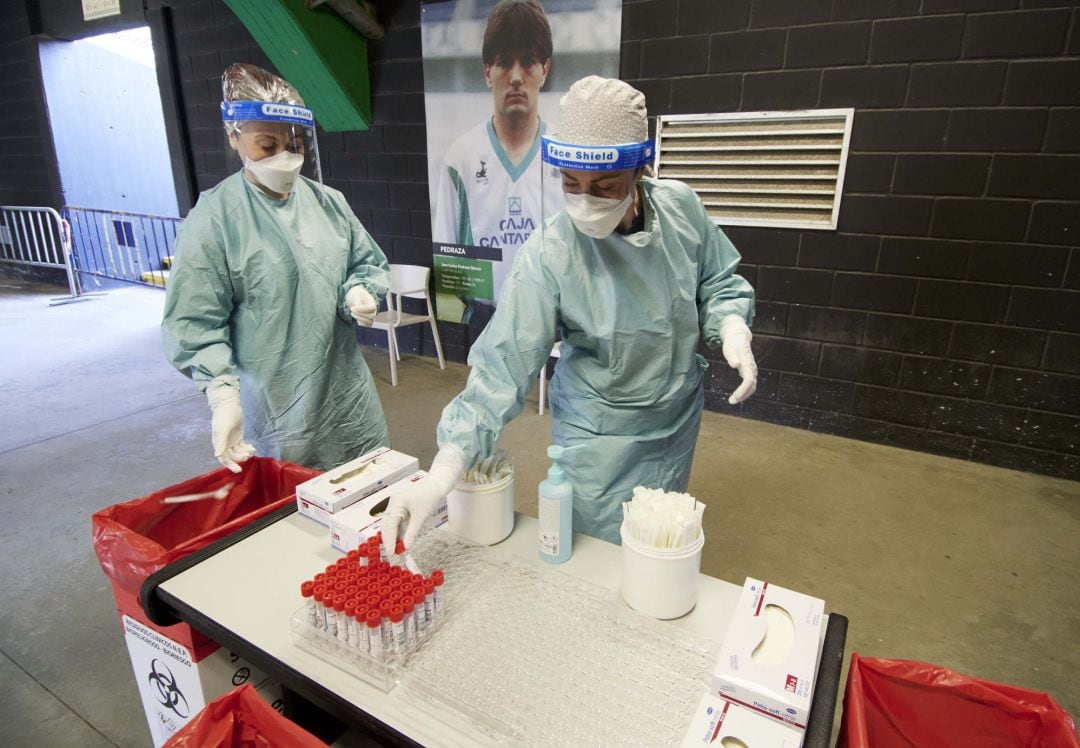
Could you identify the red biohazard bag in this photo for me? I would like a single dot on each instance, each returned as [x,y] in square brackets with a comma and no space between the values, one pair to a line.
[898,703]
[241,719]
[134,539]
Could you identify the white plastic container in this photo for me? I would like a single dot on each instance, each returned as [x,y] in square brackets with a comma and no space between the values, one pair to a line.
[481,513]
[660,582]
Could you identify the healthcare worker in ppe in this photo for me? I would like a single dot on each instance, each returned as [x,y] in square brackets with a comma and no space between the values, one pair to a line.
[272,271]
[629,275]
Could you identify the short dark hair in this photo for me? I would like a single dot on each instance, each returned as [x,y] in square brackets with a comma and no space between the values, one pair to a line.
[516,26]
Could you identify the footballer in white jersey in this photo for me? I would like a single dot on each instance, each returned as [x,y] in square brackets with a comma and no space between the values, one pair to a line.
[485,200]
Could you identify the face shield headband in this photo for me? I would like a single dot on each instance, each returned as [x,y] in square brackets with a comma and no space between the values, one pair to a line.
[267,111]
[597,157]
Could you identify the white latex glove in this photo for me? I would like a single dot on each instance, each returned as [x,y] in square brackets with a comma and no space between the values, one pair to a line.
[227,425]
[735,336]
[420,501]
[361,305]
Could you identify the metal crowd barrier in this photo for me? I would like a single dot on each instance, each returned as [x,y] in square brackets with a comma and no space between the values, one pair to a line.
[37,237]
[121,246]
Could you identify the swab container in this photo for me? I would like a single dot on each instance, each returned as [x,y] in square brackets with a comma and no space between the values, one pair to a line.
[482,513]
[660,582]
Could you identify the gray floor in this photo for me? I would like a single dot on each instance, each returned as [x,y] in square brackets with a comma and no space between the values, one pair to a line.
[933,559]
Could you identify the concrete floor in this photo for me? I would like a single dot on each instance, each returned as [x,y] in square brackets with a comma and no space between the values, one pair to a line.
[932,559]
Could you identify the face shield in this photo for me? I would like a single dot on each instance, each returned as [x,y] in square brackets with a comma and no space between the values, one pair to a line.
[596,181]
[276,143]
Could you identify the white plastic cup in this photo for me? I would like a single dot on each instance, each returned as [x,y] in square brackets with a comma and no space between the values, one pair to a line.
[481,513]
[660,582]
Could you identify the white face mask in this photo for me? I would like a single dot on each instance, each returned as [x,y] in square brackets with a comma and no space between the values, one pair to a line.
[596,216]
[277,173]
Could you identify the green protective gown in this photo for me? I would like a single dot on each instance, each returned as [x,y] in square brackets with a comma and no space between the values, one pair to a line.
[628,385]
[257,292]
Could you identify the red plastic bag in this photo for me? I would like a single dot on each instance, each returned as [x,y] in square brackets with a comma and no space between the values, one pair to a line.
[903,703]
[134,539]
[241,719]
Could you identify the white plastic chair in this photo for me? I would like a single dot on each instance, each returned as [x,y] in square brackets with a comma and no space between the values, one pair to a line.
[410,281]
[555,353]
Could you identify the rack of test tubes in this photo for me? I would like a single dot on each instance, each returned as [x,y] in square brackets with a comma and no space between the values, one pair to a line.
[367,613]
[529,655]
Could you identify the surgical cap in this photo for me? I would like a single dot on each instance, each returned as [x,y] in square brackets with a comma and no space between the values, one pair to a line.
[243,82]
[602,111]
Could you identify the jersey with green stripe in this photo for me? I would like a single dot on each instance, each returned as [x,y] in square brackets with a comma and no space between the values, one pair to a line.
[485,200]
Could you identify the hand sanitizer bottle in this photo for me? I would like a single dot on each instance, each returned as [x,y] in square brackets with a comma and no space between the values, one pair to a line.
[556,511]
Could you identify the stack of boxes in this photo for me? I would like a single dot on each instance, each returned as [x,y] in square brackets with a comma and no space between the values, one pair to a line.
[351,500]
[763,682]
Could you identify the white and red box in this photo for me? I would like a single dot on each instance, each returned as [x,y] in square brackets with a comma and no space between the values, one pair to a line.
[351,527]
[337,489]
[773,677]
[719,722]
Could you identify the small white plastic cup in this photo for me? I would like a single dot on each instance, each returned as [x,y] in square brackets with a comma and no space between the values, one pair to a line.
[481,513]
[660,582]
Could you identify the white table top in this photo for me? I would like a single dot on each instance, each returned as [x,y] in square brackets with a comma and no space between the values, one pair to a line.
[252,589]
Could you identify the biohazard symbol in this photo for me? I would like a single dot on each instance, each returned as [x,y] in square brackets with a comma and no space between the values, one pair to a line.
[167,691]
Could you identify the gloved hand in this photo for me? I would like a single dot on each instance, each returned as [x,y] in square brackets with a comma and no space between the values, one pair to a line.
[420,502]
[227,425]
[735,336]
[361,305]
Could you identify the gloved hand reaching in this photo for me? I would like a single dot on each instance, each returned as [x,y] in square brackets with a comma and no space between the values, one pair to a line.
[361,305]
[227,424]
[735,336]
[419,502]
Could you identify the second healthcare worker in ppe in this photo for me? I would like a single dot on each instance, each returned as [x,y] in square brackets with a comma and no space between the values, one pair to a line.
[629,275]
[272,271]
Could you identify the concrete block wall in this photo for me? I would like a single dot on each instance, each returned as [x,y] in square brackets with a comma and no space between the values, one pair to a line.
[944,314]
[27,162]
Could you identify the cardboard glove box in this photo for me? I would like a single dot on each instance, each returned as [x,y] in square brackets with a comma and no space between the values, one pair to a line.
[351,527]
[327,494]
[769,657]
[721,723]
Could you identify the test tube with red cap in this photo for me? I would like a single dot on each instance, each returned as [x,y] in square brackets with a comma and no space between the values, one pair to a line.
[352,634]
[320,606]
[363,640]
[437,578]
[429,601]
[397,627]
[375,637]
[339,609]
[328,612]
[408,609]
[307,591]
[388,635]
[420,611]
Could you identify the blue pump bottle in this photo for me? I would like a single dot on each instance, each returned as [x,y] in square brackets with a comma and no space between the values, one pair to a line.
[556,511]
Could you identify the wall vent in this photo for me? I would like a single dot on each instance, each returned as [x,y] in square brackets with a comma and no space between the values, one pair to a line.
[780,169]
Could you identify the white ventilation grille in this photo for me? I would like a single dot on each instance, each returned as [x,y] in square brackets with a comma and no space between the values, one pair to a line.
[783,169]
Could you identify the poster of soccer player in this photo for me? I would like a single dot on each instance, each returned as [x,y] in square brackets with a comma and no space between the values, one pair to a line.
[494,71]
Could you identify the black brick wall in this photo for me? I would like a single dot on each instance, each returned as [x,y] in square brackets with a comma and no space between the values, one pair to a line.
[27,161]
[944,314]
